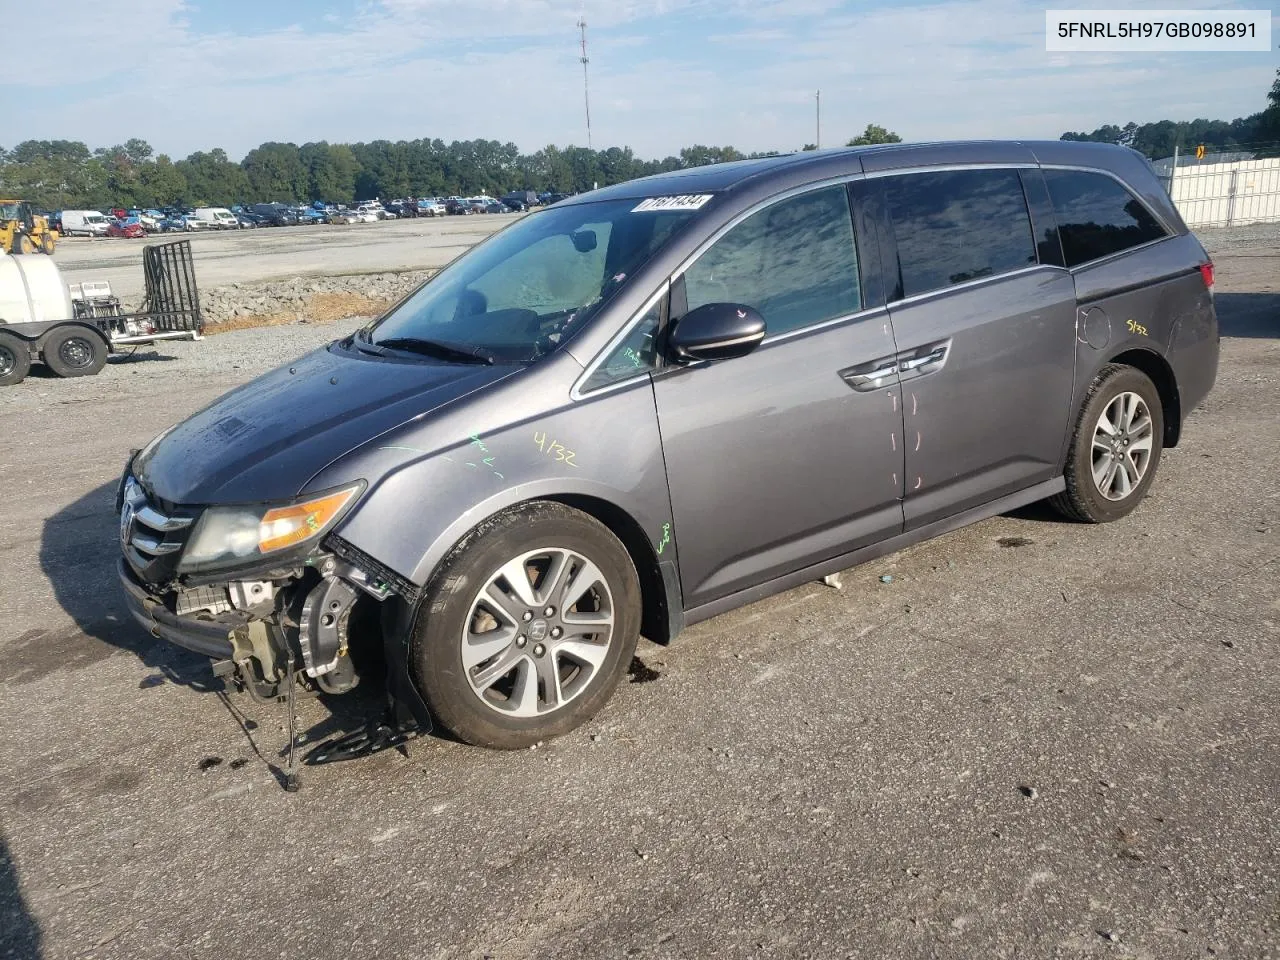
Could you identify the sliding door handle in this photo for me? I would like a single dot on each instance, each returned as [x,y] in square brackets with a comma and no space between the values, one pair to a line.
[919,365]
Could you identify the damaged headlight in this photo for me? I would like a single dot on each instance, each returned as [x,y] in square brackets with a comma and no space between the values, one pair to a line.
[227,535]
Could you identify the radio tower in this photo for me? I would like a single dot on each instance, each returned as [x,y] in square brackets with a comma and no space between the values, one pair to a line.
[586,94]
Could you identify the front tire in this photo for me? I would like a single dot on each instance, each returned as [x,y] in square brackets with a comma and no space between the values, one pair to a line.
[527,628]
[1115,448]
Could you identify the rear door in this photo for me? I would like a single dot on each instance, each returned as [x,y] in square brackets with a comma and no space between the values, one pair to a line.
[791,454]
[985,324]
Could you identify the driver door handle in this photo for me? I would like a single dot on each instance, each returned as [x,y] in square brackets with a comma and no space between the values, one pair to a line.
[870,376]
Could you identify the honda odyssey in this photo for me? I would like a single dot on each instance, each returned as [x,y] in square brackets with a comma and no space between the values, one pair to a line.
[652,403]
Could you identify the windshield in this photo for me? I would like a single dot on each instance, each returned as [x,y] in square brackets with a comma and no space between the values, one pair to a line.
[10,211]
[515,296]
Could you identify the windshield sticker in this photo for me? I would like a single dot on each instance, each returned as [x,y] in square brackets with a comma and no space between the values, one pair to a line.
[693,201]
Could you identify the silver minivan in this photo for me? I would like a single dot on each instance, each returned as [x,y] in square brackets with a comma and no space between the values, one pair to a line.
[649,404]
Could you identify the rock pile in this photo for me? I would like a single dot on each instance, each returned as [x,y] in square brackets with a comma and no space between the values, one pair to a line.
[305,299]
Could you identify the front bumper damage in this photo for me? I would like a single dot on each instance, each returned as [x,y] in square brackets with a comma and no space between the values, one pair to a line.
[257,632]
[310,622]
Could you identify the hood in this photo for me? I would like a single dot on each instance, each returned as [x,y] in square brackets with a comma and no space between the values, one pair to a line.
[266,439]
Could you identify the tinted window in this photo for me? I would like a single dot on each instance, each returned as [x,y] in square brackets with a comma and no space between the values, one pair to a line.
[1097,216]
[793,261]
[958,226]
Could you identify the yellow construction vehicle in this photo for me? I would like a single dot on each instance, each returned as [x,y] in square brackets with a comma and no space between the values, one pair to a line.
[22,231]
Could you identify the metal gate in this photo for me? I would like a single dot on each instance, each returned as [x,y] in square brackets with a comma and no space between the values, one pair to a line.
[1227,194]
[173,301]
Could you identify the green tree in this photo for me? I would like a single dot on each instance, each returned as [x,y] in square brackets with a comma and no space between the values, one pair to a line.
[874,134]
[276,172]
[212,178]
[161,183]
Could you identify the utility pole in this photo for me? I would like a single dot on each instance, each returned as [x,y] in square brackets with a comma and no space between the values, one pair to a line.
[817,100]
[586,93]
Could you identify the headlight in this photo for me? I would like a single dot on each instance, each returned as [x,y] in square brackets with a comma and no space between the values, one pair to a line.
[234,534]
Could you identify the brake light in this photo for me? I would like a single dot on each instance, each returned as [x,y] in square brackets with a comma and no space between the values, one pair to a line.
[1206,273]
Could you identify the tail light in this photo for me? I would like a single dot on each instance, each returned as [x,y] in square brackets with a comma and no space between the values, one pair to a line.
[1206,273]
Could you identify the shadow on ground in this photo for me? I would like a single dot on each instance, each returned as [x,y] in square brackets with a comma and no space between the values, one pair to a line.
[19,932]
[79,550]
[1255,315]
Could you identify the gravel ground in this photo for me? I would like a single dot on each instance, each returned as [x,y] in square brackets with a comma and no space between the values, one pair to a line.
[1039,739]
[252,256]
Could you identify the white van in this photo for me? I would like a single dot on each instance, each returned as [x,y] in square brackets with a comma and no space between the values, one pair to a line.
[217,218]
[88,223]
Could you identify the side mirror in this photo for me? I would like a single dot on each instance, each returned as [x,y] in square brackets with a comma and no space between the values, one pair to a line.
[717,331]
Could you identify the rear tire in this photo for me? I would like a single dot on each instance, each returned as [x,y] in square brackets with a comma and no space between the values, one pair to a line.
[510,673]
[1115,447]
[15,359]
[22,244]
[47,244]
[74,353]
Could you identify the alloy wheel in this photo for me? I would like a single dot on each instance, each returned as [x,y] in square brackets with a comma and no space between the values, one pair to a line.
[1122,445]
[538,632]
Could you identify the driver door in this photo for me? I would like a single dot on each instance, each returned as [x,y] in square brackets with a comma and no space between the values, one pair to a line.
[791,454]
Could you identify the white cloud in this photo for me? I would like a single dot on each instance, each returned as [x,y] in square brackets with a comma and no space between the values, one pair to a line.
[508,70]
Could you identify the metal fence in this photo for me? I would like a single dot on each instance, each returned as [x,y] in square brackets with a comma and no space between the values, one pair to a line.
[1226,194]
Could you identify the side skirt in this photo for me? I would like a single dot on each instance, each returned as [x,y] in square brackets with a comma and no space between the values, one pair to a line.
[819,570]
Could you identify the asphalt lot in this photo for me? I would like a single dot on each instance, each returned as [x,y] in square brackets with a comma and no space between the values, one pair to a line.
[1040,739]
[273,253]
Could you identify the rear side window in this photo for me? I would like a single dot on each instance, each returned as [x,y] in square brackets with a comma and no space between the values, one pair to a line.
[1097,216]
[959,225]
[794,261]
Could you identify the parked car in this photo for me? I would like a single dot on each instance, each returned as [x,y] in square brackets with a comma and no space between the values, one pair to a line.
[275,214]
[311,215]
[519,200]
[349,216]
[149,222]
[458,206]
[129,228]
[248,221]
[374,211]
[217,218]
[431,208]
[722,396]
[87,223]
[546,199]
[402,208]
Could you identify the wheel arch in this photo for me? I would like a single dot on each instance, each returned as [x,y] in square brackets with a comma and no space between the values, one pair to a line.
[1157,368]
[655,623]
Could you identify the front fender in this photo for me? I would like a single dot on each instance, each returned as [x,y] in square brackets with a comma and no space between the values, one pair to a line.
[606,448]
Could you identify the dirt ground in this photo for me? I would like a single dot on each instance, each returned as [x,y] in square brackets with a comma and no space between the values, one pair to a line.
[1039,739]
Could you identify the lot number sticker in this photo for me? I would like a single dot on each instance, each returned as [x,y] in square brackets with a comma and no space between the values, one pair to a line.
[687,202]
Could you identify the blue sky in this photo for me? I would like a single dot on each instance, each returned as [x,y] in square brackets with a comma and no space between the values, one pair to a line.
[195,74]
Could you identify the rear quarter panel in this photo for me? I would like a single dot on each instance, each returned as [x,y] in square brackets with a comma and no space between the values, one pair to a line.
[1151,299]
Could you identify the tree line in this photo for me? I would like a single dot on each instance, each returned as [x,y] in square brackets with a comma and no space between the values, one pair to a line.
[1258,133]
[66,174]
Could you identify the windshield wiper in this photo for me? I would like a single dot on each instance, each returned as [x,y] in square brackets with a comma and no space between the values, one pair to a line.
[442,349]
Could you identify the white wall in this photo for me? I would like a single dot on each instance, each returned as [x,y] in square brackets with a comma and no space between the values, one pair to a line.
[1228,194]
